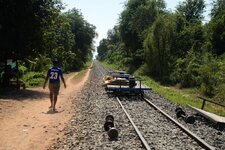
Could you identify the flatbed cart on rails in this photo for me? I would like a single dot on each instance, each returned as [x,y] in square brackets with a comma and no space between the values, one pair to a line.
[121,83]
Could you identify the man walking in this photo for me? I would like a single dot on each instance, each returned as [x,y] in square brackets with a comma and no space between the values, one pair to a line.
[54,73]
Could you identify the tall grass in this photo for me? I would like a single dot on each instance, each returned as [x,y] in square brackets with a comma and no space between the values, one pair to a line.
[183,97]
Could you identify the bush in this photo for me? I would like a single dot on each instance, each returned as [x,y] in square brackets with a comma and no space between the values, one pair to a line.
[203,70]
[208,79]
[33,79]
[220,93]
[35,82]
[186,70]
[220,76]
[41,63]
[22,69]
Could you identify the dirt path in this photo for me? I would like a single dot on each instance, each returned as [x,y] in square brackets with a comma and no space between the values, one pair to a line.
[26,122]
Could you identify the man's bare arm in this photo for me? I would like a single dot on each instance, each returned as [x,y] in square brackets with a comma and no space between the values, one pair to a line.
[63,81]
[46,79]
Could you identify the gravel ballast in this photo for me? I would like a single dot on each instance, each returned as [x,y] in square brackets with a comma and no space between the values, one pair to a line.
[92,105]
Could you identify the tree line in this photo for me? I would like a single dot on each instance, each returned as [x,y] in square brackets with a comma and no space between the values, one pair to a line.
[171,47]
[35,31]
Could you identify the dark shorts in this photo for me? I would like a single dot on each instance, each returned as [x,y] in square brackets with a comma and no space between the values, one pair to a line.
[54,87]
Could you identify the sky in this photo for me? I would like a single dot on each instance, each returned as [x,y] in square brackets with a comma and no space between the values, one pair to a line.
[104,14]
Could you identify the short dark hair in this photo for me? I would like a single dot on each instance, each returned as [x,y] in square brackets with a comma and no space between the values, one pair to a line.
[55,61]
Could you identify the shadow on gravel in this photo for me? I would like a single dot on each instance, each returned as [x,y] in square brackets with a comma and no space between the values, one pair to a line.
[21,95]
[113,140]
[52,112]
[220,127]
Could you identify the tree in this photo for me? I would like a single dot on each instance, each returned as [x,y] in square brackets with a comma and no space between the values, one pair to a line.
[158,47]
[21,22]
[136,18]
[192,10]
[216,34]
[102,49]
[218,8]
[58,41]
[216,28]
[134,23]
[190,34]
[84,34]
[190,37]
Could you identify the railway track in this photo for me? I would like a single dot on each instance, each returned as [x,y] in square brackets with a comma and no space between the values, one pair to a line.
[182,134]
[157,122]
[93,105]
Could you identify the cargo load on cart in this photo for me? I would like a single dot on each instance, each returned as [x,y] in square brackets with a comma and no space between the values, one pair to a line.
[122,83]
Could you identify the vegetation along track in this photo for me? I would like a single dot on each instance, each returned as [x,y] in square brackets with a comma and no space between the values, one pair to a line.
[93,105]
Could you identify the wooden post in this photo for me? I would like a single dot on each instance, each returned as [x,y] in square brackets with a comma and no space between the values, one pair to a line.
[203,104]
[140,86]
[17,76]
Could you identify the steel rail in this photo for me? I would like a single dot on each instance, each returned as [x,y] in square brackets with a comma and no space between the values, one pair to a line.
[144,142]
[192,135]
[99,69]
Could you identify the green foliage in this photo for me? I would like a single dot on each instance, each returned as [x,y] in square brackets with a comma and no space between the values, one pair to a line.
[84,34]
[213,77]
[186,70]
[220,76]
[58,41]
[102,50]
[183,97]
[158,47]
[112,50]
[174,48]
[203,70]
[33,79]
[192,10]
[190,37]
[118,57]
[171,47]
[141,14]
[21,23]
[216,33]
[39,64]
[218,8]
[22,69]
[207,71]
[220,93]
[36,31]
[134,23]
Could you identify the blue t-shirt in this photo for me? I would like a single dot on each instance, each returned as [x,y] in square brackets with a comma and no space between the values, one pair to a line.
[54,73]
